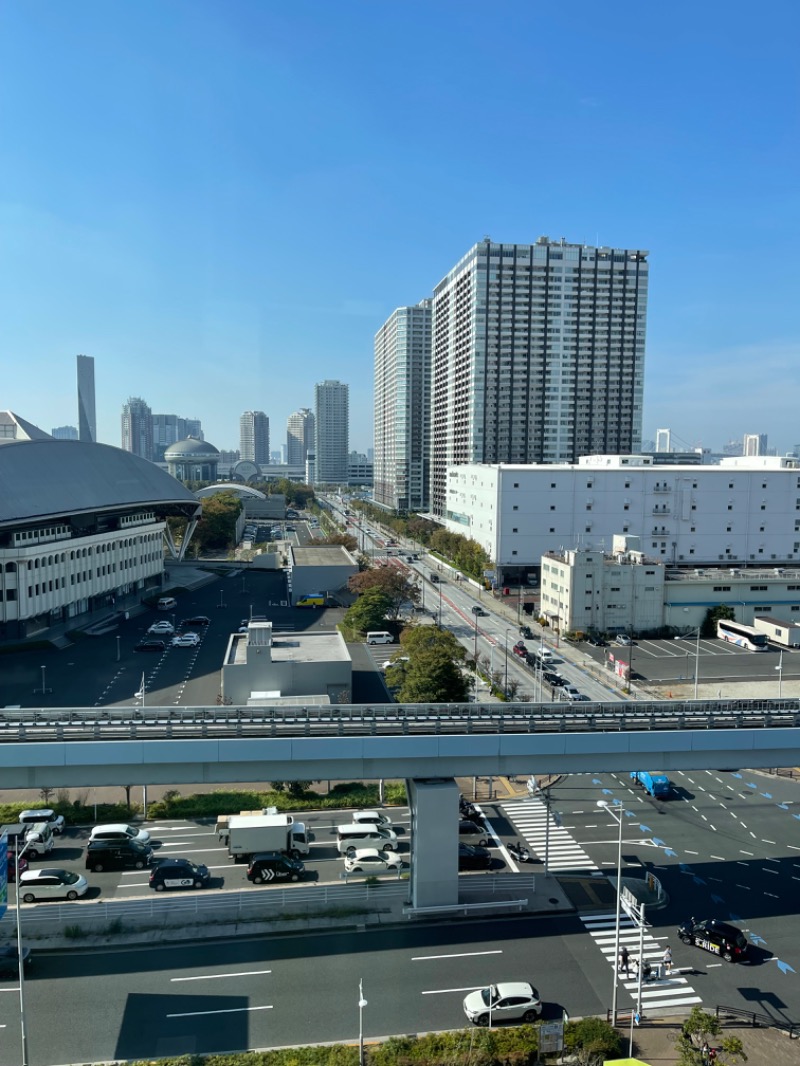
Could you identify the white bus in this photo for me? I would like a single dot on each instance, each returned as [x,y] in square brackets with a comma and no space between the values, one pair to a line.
[744,636]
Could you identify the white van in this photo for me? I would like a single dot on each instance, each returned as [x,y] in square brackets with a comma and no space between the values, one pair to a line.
[353,837]
[55,821]
[38,840]
[380,636]
[167,603]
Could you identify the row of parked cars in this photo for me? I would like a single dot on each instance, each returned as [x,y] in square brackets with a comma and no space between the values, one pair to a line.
[161,632]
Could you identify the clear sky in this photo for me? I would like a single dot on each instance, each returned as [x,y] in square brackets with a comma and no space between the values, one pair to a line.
[222,202]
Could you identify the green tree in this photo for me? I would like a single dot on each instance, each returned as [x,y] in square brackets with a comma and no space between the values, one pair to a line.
[389,580]
[713,615]
[368,612]
[699,1028]
[419,639]
[347,539]
[433,676]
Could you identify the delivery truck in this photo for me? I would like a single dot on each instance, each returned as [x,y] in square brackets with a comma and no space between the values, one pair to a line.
[656,785]
[250,834]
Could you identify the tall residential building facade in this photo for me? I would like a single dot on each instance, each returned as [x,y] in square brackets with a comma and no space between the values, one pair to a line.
[87,419]
[64,433]
[169,429]
[254,437]
[300,434]
[402,409]
[332,419]
[137,428]
[538,356]
[754,444]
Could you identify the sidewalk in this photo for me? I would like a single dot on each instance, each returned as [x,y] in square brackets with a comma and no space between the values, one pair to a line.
[654,1043]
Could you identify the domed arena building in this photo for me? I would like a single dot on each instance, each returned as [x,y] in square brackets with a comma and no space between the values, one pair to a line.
[192,460]
[81,525]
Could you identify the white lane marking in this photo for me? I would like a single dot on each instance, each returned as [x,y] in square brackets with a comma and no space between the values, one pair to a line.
[792,846]
[767,870]
[743,852]
[745,887]
[228,1010]
[218,976]
[712,965]
[763,841]
[692,852]
[462,955]
[442,991]
[719,857]
[771,895]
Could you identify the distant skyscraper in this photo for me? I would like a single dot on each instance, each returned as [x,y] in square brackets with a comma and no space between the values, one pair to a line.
[194,428]
[754,444]
[254,437]
[538,356]
[169,429]
[64,433]
[87,420]
[401,460]
[299,436]
[332,407]
[137,428]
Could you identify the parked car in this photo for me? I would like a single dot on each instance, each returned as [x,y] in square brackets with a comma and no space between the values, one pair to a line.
[119,831]
[179,873]
[51,884]
[185,640]
[9,960]
[720,938]
[368,860]
[161,627]
[473,857]
[198,620]
[512,1001]
[596,642]
[624,640]
[150,645]
[479,611]
[270,866]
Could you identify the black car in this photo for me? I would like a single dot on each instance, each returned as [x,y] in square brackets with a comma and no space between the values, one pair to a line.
[554,680]
[197,620]
[526,632]
[480,611]
[720,938]
[472,833]
[473,857]
[9,960]
[150,645]
[117,855]
[435,578]
[179,873]
[597,642]
[274,866]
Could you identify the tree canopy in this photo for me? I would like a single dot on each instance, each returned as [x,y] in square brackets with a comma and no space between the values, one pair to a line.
[389,580]
[368,612]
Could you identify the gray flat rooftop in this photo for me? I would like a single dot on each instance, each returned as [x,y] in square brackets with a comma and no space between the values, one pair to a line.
[736,574]
[322,555]
[294,647]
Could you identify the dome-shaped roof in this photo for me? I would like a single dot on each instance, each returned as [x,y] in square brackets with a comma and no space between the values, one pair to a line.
[191,447]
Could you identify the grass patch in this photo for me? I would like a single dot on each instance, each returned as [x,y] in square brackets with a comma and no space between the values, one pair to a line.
[75,932]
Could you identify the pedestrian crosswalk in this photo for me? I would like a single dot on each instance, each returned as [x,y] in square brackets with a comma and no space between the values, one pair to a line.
[659,994]
[530,818]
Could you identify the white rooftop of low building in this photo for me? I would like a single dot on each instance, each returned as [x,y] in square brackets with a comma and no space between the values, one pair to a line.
[321,555]
[626,462]
[727,574]
[288,647]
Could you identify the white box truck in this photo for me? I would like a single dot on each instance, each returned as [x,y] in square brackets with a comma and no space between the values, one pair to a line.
[248,834]
[786,634]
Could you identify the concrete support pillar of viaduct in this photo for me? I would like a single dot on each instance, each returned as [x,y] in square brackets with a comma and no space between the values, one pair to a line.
[434,841]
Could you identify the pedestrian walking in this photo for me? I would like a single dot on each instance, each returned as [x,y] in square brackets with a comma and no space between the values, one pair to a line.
[635,969]
[623,961]
[666,961]
[704,1050]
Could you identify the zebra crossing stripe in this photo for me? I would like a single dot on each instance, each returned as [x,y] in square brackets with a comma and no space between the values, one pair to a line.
[530,819]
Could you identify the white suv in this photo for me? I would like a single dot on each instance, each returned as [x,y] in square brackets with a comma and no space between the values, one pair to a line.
[51,884]
[119,831]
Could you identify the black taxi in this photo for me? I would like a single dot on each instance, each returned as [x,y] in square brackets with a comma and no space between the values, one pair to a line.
[720,938]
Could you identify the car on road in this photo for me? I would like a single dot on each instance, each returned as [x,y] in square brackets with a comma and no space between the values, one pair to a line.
[185,640]
[471,833]
[569,692]
[117,855]
[161,627]
[119,831]
[435,578]
[526,631]
[9,960]
[596,642]
[370,860]
[511,1001]
[51,884]
[198,620]
[624,640]
[178,873]
[473,857]
[554,680]
[268,866]
[150,645]
[479,611]
[720,938]
[12,865]
[520,649]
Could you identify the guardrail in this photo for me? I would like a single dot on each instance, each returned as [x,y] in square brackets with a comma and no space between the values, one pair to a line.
[759,1021]
[82,724]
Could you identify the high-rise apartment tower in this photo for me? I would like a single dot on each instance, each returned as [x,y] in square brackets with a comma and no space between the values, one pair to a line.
[538,356]
[254,437]
[299,436]
[332,415]
[137,428]
[402,408]
[87,419]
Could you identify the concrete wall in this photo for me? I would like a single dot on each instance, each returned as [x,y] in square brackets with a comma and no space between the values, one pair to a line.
[325,579]
[260,674]
[434,819]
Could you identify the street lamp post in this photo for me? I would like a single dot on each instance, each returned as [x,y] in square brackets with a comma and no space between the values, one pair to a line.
[779,668]
[616,814]
[505,682]
[118,651]
[20,967]
[361,1004]
[476,658]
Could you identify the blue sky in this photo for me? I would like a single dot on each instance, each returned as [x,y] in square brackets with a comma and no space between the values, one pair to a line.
[222,202]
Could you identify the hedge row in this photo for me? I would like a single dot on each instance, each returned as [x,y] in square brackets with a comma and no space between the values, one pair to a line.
[508,1046]
[208,805]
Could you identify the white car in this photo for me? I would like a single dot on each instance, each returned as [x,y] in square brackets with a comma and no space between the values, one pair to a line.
[513,1001]
[162,627]
[370,860]
[569,692]
[185,640]
[116,831]
[371,818]
[51,884]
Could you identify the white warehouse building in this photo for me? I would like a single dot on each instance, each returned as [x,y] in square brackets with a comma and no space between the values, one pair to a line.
[744,512]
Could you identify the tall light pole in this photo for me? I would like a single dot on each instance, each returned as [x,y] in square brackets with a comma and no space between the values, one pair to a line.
[476,657]
[697,662]
[505,682]
[118,652]
[20,967]
[361,1004]
[616,813]
[779,668]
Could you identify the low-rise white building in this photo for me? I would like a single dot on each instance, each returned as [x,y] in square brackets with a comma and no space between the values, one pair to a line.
[746,511]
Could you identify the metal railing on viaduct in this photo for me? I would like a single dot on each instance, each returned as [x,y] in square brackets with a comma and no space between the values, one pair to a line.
[95,746]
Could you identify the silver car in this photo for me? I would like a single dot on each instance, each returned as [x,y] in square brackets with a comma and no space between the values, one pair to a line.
[51,884]
[512,1001]
[370,860]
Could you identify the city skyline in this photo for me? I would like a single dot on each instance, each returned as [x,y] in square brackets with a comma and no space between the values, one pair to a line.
[146,245]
